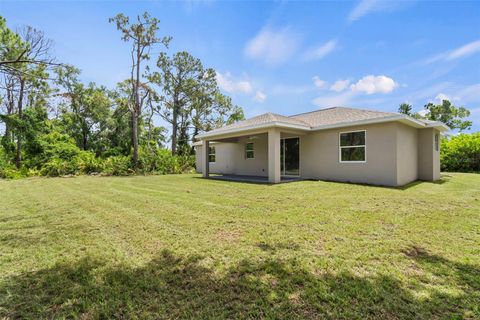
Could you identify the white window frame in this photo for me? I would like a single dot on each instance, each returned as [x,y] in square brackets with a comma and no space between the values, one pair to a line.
[252,151]
[340,147]
[214,154]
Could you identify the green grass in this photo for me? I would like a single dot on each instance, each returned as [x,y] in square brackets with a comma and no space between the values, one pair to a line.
[182,247]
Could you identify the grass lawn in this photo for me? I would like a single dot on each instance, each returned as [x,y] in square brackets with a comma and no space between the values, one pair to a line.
[183,247]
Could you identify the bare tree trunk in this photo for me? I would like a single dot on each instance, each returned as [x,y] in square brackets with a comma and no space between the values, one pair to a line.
[137,110]
[174,125]
[18,160]
[10,109]
[135,139]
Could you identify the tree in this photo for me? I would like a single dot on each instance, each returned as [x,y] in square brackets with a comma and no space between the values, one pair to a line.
[405,108]
[85,110]
[143,36]
[12,48]
[450,115]
[28,83]
[191,99]
[178,77]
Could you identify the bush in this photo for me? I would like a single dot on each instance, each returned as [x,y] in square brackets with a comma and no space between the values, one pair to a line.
[10,172]
[154,160]
[117,166]
[57,167]
[58,155]
[87,163]
[7,169]
[461,153]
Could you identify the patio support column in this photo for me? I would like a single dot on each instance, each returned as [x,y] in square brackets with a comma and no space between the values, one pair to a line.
[206,162]
[274,155]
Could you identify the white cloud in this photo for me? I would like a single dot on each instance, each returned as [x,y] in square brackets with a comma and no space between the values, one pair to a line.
[423,112]
[273,47]
[365,7]
[227,83]
[260,96]
[348,94]
[442,96]
[321,51]
[319,83]
[374,84]
[463,51]
[460,52]
[340,85]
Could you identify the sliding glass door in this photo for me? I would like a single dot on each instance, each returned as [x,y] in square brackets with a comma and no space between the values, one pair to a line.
[290,156]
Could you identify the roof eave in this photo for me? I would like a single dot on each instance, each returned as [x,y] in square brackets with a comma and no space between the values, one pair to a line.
[272,124]
[278,124]
[442,127]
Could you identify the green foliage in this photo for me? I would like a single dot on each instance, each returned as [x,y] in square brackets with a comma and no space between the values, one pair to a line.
[118,166]
[88,163]
[56,167]
[12,48]
[461,153]
[405,108]
[7,169]
[154,159]
[55,125]
[449,114]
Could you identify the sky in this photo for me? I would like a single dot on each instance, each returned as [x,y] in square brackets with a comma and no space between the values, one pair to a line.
[287,57]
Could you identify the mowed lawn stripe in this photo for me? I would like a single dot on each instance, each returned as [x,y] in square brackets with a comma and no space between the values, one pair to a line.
[179,246]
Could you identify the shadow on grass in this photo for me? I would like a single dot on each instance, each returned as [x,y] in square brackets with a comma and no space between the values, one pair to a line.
[444,179]
[256,181]
[179,287]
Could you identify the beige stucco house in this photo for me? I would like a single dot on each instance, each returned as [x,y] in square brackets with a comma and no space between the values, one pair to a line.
[338,144]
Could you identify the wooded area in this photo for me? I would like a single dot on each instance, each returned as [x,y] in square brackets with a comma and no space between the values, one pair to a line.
[52,123]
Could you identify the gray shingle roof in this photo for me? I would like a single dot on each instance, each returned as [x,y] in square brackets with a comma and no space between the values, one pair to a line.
[337,115]
[319,118]
[262,119]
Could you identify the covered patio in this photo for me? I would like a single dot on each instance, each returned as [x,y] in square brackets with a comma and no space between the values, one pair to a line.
[269,139]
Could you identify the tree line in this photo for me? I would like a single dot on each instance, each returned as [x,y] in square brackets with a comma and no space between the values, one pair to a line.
[53,123]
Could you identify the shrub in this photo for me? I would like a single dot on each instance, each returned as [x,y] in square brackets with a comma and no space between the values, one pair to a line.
[10,172]
[88,163]
[153,159]
[461,153]
[117,166]
[56,167]
[7,169]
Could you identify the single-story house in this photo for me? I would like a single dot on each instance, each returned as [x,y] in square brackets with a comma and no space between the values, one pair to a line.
[337,144]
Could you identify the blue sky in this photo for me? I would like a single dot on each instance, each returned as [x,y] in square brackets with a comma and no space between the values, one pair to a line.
[288,57]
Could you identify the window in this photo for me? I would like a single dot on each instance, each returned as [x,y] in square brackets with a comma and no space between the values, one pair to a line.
[249,153]
[437,138]
[211,154]
[353,146]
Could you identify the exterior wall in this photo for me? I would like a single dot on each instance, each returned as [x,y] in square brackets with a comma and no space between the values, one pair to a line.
[319,156]
[258,166]
[428,157]
[230,157]
[407,154]
[396,154]
[224,158]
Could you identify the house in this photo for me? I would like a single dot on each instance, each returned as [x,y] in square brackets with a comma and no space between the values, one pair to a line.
[337,144]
